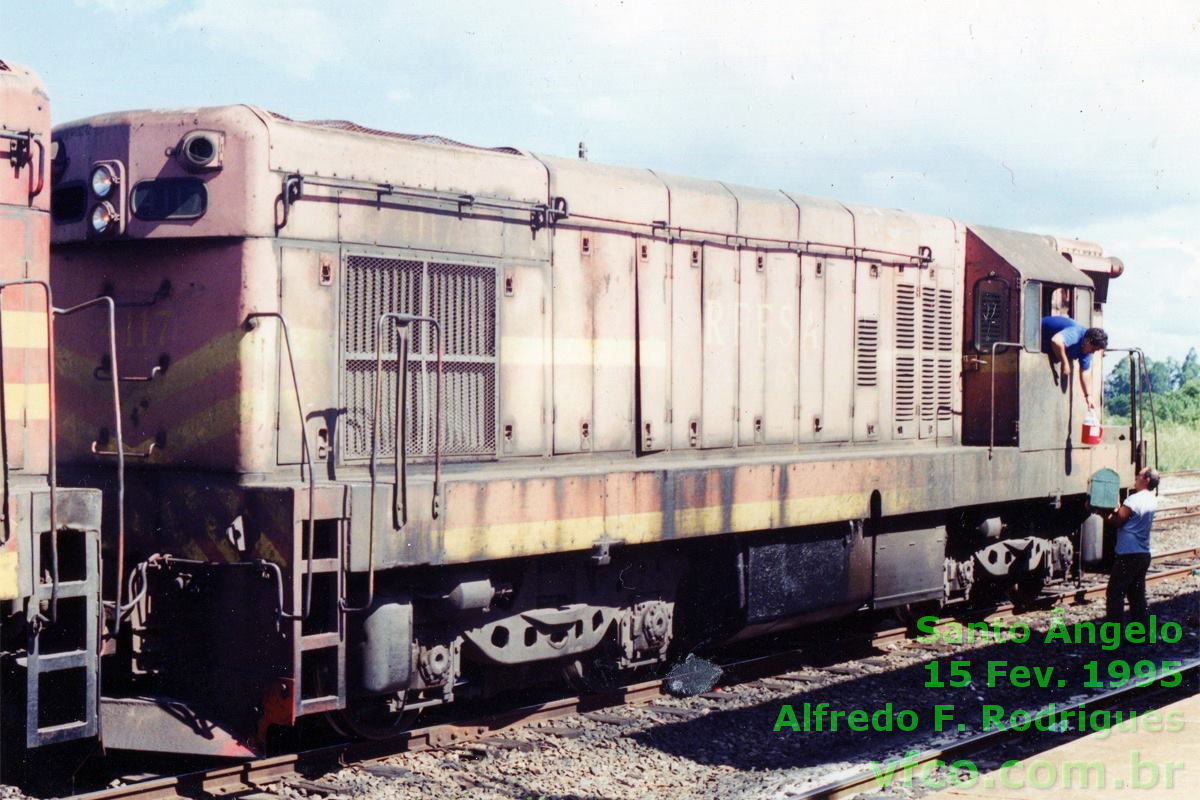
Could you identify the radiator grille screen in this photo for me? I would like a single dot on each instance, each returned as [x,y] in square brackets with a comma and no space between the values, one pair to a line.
[462,298]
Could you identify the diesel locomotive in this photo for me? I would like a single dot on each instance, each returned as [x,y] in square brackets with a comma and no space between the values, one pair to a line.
[403,421]
[50,625]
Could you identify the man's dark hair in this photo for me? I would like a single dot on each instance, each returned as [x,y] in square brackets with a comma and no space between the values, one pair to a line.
[1097,338]
[1152,478]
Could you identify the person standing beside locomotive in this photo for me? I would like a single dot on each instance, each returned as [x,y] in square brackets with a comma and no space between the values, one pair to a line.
[1066,340]
[1132,553]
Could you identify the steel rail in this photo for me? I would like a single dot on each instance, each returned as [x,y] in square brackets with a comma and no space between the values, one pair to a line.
[254,775]
[1166,519]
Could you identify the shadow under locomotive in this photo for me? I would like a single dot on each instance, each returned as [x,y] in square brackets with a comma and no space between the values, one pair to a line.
[746,738]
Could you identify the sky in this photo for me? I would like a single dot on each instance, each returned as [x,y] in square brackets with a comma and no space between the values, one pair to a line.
[1071,118]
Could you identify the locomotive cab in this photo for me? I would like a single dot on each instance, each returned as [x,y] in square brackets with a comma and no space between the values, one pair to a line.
[1012,393]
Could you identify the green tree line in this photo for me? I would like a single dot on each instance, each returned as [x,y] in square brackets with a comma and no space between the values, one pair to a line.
[1176,387]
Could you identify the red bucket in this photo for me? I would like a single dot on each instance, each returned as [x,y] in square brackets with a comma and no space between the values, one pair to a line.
[1093,432]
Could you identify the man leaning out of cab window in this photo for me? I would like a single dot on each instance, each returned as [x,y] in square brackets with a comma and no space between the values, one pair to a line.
[1066,341]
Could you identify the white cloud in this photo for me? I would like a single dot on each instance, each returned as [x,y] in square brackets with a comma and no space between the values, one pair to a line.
[1155,303]
[126,6]
[1076,117]
[603,108]
[298,37]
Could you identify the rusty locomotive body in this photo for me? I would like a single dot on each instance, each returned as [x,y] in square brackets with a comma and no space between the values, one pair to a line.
[49,542]
[408,421]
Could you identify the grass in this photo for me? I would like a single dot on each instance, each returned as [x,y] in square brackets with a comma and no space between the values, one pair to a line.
[1178,447]
[1178,444]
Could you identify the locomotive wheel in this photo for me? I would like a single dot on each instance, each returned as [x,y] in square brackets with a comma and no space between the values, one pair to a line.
[372,718]
[596,671]
[1027,590]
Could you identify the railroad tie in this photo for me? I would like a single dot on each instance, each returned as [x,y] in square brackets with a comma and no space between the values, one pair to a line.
[566,733]
[672,711]
[510,744]
[610,719]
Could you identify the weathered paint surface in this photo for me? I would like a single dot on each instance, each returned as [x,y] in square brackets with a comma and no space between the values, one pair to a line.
[676,357]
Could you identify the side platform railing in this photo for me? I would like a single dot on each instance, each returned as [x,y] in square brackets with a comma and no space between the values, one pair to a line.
[61,660]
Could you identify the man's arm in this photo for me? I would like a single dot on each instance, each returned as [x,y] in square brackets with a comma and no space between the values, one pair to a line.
[1121,515]
[1083,385]
[1059,349]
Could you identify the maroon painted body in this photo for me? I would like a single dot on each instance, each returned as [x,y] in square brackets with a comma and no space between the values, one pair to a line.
[779,398]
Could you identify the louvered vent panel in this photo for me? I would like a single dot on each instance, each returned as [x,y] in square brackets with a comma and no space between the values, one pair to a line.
[906,389]
[945,388]
[945,320]
[928,318]
[462,298]
[906,317]
[868,352]
[928,387]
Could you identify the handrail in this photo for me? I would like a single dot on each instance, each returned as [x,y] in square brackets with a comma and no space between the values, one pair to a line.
[992,407]
[306,604]
[20,155]
[41,168]
[33,612]
[99,373]
[1153,413]
[120,451]
[401,323]
[1142,376]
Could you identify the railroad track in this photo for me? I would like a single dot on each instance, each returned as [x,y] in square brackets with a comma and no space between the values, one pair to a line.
[1184,473]
[254,776]
[1172,516]
[868,779]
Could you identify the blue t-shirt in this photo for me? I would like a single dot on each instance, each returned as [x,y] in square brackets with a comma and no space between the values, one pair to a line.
[1072,334]
[1134,535]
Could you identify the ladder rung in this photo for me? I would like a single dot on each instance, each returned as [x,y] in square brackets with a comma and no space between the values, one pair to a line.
[320,641]
[64,727]
[316,705]
[66,732]
[52,662]
[66,589]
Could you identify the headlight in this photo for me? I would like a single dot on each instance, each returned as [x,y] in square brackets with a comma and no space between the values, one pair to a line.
[103,181]
[103,218]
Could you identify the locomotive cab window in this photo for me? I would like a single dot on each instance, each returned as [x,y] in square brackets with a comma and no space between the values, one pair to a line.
[1033,316]
[992,313]
[170,198]
[1083,307]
